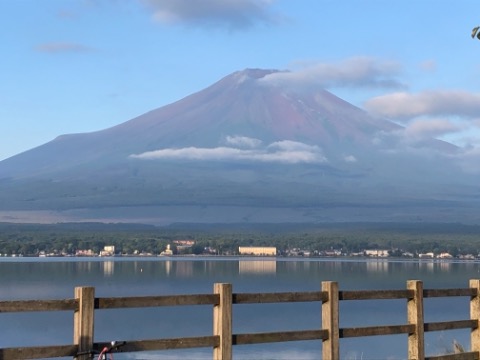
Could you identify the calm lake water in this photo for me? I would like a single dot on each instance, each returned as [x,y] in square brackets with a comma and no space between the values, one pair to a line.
[55,278]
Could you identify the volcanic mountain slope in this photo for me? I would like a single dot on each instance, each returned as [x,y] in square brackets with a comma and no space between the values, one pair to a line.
[243,104]
[247,140]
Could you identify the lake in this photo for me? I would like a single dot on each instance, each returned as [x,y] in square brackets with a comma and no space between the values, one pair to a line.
[55,278]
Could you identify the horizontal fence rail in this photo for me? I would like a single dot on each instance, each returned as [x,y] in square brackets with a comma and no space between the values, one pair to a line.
[156,301]
[222,339]
[38,305]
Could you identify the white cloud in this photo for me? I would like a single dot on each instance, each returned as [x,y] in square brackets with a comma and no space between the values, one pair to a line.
[243,141]
[350,159]
[470,136]
[194,153]
[287,152]
[289,145]
[354,72]
[232,14]
[458,109]
[403,106]
[431,128]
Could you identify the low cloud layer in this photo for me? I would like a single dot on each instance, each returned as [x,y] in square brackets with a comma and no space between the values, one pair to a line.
[363,72]
[243,141]
[286,152]
[431,128]
[404,106]
[452,115]
[231,14]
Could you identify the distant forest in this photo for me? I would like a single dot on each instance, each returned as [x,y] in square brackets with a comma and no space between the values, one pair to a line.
[224,239]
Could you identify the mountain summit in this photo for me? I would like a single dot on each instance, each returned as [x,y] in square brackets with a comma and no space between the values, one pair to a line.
[245,104]
[253,143]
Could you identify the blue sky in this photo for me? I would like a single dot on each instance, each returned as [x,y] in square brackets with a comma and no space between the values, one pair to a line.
[71,66]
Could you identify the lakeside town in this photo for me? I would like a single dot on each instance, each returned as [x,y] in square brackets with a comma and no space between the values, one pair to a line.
[186,247]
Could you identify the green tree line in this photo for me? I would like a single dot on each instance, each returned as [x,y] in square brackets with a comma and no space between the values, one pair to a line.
[31,239]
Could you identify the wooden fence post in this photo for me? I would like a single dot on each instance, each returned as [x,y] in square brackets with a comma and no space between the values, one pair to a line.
[330,322]
[222,322]
[416,343]
[475,315]
[83,320]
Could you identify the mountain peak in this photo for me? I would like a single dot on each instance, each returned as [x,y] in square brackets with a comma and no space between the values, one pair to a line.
[251,74]
[256,73]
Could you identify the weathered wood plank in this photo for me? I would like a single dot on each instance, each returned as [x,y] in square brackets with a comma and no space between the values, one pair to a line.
[376,330]
[416,341]
[222,322]
[459,356]
[38,352]
[38,305]
[475,315]
[83,320]
[165,344]
[450,325]
[431,293]
[262,298]
[375,294]
[260,338]
[156,301]
[330,321]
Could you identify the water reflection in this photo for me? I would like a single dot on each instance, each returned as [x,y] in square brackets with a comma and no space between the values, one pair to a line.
[257,267]
[184,269]
[85,266]
[108,268]
[168,267]
[427,266]
[377,266]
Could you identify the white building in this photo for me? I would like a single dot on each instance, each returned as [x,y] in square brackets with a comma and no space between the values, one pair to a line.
[108,250]
[258,251]
[429,255]
[376,253]
[167,252]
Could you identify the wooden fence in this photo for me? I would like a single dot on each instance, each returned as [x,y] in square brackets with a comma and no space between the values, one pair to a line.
[221,341]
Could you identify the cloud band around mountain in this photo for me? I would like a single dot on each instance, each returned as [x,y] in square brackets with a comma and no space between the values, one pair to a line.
[286,152]
[404,106]
[353,72]
[243,141]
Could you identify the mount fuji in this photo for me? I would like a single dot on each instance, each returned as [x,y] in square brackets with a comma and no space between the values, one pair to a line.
[250,148]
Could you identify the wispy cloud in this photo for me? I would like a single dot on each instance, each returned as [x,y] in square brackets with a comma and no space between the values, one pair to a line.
[243,141]
[362,72]
[431,128]
[287,152]
[401,142]
[350,159]
[231,14]
[448,114]
[404,106]
[62,47]
[289,145]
